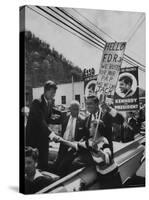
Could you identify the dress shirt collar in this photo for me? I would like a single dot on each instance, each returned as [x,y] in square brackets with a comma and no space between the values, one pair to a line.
[45,99]
[37,174]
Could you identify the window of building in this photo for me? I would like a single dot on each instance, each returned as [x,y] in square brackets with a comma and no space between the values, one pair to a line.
[77,97]
[63,98]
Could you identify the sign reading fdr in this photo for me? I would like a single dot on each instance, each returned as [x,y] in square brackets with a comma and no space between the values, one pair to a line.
[110,68]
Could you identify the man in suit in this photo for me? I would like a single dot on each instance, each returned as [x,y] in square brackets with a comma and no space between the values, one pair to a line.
[37,129]
[108,174]
[72,131]
[108,116]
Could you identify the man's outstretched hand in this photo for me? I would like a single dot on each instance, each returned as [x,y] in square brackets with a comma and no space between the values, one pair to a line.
[54,137]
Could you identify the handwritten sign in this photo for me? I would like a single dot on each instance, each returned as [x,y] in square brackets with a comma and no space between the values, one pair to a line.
[110,68]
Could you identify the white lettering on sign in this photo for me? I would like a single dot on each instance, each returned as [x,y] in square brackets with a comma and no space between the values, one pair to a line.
[126,107]
[110,68]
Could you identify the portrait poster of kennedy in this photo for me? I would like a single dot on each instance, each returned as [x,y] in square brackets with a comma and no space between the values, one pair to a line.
[127,85]
[127,93]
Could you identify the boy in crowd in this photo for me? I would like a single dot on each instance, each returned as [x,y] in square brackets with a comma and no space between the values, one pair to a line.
[35,180]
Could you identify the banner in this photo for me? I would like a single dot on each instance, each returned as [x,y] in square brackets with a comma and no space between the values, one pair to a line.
[110,68]
[126,97]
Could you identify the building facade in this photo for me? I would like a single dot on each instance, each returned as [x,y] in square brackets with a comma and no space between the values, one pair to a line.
[65,93]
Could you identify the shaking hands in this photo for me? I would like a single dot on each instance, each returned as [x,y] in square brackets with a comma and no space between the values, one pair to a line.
[54,137]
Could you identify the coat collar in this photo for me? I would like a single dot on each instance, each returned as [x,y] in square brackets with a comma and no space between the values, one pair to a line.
[43,100]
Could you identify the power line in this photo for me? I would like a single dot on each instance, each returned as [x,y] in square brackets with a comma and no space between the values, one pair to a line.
[68,26]
[69,21]
[136,27]
[77,21]
[127,61]
[93,24]
[75,25]
[132,64]
[134,60]
[108,36]
[72,32]
[64,28]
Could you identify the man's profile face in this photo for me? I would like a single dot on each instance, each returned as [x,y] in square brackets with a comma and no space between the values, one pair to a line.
[74,109]
[124,87]
[91,106]
[50,94]
[30,166]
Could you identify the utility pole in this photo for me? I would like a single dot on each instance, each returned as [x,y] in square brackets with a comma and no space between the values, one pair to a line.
[72,88]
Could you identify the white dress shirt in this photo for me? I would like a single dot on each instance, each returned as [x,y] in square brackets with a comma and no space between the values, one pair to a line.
[37,174]
[45,100]
[70,129]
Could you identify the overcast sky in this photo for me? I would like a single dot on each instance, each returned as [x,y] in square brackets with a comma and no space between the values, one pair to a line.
[110,25]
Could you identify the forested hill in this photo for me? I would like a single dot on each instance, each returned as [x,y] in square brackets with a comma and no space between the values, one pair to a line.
[43,63]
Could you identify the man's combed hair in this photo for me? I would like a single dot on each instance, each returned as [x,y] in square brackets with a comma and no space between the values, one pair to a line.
[32,152]
[75,102]
[49,84]
[126,79]
[94,98]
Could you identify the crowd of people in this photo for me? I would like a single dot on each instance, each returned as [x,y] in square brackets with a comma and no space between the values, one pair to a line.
[83,142]
[133,124]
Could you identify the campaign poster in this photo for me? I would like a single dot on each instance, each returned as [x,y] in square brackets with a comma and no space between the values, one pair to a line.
[110,68]
[126,96]
[89,85]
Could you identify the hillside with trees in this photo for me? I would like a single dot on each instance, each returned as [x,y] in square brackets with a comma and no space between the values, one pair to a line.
[44,63]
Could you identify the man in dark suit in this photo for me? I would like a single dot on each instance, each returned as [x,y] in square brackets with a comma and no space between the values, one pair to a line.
[108,116]
[72,131]
[111,177]
[37,129]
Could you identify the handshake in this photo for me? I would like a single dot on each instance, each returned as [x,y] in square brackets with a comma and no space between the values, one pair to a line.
[57,139]
[54,137]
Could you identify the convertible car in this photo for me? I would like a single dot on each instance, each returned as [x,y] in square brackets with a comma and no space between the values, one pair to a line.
[128,157]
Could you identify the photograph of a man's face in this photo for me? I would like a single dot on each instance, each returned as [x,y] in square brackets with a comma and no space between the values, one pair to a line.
[127,85]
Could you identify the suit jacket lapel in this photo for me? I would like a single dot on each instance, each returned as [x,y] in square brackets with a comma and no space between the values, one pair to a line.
[44,107]
[77,126]
[89,121]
